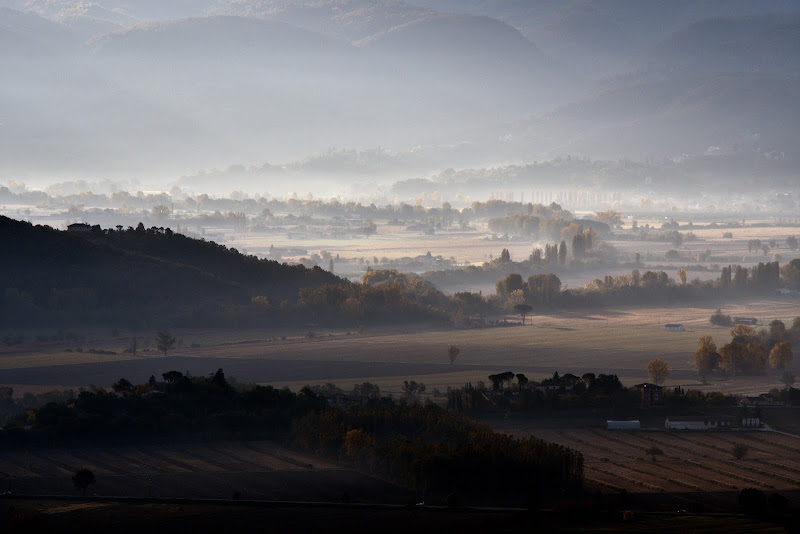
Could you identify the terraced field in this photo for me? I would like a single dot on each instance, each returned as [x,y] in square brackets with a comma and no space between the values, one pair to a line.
[692,461]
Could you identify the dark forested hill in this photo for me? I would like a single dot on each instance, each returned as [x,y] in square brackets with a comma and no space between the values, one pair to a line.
[140,278]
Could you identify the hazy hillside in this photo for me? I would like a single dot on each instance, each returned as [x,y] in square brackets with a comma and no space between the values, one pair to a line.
[759,44]
[601,37]
[436,83]
[720,86]
[27,35]
[132,278]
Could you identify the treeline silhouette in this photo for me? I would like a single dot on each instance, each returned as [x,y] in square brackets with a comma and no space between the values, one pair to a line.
[424,447]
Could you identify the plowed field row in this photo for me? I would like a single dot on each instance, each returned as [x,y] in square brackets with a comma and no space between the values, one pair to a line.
[692,461]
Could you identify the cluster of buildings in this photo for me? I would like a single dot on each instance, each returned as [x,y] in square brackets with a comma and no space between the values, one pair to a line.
[653,395]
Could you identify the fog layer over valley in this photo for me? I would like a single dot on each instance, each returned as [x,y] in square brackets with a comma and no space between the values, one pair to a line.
[156,91]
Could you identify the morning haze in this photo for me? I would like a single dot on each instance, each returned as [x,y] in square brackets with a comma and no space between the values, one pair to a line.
[401,265]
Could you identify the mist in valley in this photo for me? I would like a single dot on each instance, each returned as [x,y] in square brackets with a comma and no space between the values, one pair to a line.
[337,251]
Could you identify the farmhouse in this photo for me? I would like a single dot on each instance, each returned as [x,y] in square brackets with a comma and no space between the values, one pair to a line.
[745,320]
[652,394]
[674,327]
[79,227]
[695,422]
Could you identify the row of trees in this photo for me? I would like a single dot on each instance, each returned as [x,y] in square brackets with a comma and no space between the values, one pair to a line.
[747,352]
[649,286]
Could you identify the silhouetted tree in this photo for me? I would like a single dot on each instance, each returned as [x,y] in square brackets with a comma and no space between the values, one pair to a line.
[82,479]
[219,379]
[122,386]
[523,310]
[453,353]
[172,376]
[164,341]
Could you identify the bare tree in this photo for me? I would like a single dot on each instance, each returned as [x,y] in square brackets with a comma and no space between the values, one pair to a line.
[164,341]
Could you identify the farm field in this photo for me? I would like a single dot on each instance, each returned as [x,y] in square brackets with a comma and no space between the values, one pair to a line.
[256,470]
[619,341]
[692,461]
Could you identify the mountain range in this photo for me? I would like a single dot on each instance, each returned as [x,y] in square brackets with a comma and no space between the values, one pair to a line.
[156,90]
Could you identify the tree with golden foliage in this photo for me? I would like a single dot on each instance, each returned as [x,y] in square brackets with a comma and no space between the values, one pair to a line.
[781,355]
[657,370]
[742,333]
[705,357]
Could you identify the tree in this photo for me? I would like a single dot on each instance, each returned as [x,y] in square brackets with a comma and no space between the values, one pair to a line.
[160,212]
[522,380]
[610,217]
[657,370]
[172,376]
[133,346]
[412,388]
[780,355]
[164,341]
[791,242]
[731,357]
[653,452]
[720,319]
[219,379]
[705,357]
[523,310]
[82,479]
[453,353]
[562,253]
[742,333]
[682,276]
[777,330]
[122,386]
[739,450]
[505,256]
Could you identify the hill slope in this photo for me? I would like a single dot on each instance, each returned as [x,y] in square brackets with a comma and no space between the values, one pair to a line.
[132,278]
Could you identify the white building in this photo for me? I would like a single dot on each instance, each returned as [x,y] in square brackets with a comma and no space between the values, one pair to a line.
[697,422]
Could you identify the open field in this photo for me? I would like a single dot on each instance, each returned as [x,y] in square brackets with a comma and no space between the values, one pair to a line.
[257,470]
[692,461]
[617,341]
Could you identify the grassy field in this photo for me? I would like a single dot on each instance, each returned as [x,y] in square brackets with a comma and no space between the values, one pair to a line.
[619,341]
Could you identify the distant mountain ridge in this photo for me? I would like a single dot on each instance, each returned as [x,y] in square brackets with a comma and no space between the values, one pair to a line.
[470,82]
